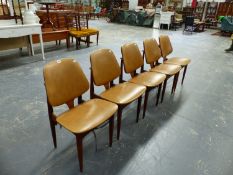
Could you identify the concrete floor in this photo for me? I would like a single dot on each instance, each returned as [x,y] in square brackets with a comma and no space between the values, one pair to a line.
[189,134]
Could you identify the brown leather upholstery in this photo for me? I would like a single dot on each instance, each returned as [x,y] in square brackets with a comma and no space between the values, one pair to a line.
[149,79]
[167,69]
[64,81]
[152,50]
[132,57]
[178,61]
[165,45]
[123,93]
[166,49]
[87,116]
[133,60]
[105,67]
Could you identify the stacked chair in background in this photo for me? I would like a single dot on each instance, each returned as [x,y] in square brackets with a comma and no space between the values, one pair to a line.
[65,82]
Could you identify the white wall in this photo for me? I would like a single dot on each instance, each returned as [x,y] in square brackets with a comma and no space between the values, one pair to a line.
[133,4]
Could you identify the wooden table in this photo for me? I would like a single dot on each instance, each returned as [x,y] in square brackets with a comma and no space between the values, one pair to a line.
[47,4]
[12,31]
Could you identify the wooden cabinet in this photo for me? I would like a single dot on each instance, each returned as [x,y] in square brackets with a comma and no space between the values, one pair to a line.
[225,9]
[143,2]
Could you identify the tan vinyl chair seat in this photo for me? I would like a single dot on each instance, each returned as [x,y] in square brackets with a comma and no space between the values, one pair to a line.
[167,69]
[149,79]
[87,116]
[178,61]
[123,93]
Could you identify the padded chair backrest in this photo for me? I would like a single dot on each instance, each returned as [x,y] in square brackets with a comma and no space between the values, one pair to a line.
[104,66]
[189,21]
[152,50]
[132,57]
[64,81]
[165,45]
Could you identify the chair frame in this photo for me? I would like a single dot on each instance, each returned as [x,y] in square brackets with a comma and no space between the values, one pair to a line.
[120,106]
[85,24]
[175,79]
[148,89]
[76,17]
[185,67]
[79,137]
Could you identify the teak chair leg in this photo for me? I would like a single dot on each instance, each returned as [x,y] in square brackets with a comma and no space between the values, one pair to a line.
[88,41]
[173,84]
[77,43]
[53,131]
[139,108]
[79,141]
[119,114]
[145,103]
[176,80]
[97,38]
[111,127]
[158,94]
[52,125]
[185,68]
[164,88]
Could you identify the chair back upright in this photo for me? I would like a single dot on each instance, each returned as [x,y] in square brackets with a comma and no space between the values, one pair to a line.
[132,58]
[64,81]
[165,46]
[104,67]
[72,21]
[152,51]
[83,20]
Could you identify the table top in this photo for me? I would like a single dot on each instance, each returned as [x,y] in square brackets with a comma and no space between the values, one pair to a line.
[20,26]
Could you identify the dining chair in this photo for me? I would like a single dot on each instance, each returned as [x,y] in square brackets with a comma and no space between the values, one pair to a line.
[166,49]
[64,82]
[84,26]
[131,61]
[152,54]
[73,25]
[104,70]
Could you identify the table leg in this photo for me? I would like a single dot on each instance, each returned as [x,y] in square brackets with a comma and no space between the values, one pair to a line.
[31,45]
[42,46]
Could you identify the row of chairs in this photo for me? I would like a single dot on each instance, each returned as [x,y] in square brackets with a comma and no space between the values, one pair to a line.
[65,81]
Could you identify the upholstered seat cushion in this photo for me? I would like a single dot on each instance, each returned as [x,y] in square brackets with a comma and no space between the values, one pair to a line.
[87,116]
[123,93]
[167,69]
[178,61]
[91,31]
[149,79]
[77,33]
